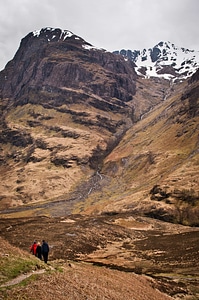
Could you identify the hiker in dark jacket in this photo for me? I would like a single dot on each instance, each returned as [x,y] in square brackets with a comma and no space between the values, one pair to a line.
[45,250]
[38,251]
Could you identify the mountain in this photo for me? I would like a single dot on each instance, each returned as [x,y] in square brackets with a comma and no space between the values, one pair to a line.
[64,105]
[81,131]
[41,52]
[164,60]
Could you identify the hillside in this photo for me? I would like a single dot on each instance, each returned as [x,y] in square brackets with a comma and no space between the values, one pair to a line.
[154,169]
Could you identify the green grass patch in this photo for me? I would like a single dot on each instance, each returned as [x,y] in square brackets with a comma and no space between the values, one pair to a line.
[12,266]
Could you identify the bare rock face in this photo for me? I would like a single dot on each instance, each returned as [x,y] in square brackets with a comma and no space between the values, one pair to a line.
[54,59]
[191,96]
[194,77]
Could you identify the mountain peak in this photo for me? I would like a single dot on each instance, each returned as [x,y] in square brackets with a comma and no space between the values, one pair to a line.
[165,59]
[52,33]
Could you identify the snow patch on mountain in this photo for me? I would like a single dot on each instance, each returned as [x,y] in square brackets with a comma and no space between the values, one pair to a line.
[57,34]
[52,33]
[164,60]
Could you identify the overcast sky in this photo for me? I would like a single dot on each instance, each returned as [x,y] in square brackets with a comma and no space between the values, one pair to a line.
[108,24]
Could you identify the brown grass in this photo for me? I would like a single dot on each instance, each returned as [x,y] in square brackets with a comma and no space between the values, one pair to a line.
[64,280]
[84,281]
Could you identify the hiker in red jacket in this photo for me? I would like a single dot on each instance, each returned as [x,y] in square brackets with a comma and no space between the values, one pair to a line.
[33,248]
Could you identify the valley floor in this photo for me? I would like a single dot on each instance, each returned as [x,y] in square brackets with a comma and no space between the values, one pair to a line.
[113,256]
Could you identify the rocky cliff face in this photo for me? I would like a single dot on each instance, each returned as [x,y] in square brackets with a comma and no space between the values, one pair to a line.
[55,59]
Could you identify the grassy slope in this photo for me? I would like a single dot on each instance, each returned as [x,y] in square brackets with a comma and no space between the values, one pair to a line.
[40,179]
[14,262]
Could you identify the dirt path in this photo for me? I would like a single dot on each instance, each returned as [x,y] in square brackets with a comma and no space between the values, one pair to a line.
[21,278]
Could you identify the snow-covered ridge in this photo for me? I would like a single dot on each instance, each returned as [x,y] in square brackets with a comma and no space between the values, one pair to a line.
[57,34]
[164,60]
[52,33]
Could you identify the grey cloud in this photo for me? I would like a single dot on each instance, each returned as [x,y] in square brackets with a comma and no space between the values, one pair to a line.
[109,24]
